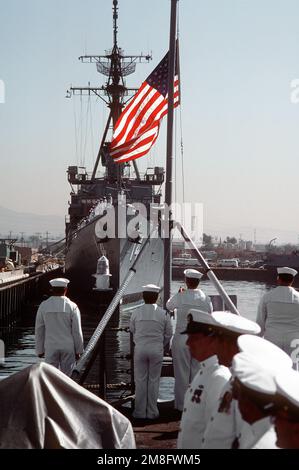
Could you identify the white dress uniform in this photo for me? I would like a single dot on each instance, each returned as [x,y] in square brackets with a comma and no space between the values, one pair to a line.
[255,373]
[185,367]
[226,429]
[279,323]
[200,400]
[152,330]
[58,332]
[284,294]
[263,436]
[278,314]
[287,388]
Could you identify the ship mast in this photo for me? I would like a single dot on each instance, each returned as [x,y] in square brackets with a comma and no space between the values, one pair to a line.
[116,66]
[169,149]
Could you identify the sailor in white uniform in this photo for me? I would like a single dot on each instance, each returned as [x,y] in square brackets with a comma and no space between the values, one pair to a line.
[254,387]
[277,317]
[185,367]
[152,330]
[204,391]
[226,424]
[286,410]
[58,334]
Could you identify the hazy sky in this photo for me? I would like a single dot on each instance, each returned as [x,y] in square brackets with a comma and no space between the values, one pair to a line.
[240,129]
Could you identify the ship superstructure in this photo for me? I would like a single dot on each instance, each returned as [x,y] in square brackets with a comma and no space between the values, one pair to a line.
[92,195]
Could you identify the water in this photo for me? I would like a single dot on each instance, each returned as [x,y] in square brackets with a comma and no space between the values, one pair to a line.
[21,353]
[248,294]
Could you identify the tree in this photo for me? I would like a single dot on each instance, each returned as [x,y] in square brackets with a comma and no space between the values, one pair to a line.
[231,240]
[207,241]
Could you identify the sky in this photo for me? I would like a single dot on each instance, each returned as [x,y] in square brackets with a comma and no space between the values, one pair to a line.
[238,122]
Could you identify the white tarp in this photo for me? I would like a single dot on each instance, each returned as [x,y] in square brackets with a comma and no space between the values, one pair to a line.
[41,408]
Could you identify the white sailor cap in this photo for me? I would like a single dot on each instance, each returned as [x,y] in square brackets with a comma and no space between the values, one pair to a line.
[151,288]
[287,383]
[193,273]
[286,270]
[235,323]
[253,374]
[59,282]
[198,321]
[201,317]
[263,350]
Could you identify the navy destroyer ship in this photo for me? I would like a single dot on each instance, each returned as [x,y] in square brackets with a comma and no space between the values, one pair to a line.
[111,190]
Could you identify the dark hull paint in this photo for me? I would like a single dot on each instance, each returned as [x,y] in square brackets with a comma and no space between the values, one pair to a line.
[85,249]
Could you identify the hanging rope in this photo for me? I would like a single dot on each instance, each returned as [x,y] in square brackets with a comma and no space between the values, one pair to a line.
[81,131]
[91,134]
[182,156]
[86,130]
[76,133]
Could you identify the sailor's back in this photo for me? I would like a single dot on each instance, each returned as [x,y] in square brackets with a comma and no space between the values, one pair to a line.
[58,314]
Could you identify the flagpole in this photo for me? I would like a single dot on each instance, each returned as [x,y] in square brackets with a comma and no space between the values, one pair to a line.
[169,149]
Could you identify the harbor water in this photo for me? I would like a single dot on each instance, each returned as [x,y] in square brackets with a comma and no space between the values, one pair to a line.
[20,353]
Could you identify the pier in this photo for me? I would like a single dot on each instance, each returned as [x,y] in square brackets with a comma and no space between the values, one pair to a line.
[17,290]
[267,276]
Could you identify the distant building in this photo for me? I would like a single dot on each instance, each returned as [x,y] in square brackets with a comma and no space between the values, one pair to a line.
[9,255]
[260,247]
[25,253]
[249,246]
[242,245]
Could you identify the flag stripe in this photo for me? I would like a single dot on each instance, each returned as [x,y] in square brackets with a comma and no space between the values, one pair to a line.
[156,106]
[127,122]
[154,116]
[142,92]
[141,143]
[131,120]
[138,142]
[137,153]
[131,142]
[137,128]
[145,114]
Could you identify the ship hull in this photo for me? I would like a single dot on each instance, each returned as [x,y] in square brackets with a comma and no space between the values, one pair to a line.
[85,248]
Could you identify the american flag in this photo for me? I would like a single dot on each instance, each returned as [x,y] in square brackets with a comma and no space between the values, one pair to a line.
[137,128]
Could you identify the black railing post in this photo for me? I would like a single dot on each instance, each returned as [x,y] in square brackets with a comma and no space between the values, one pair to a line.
[102,368]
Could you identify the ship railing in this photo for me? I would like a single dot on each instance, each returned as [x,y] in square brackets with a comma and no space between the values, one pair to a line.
[211,275]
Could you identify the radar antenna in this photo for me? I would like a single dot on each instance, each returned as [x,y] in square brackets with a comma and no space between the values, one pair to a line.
[115,65]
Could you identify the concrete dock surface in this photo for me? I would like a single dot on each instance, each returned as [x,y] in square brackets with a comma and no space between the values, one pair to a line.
[160,433]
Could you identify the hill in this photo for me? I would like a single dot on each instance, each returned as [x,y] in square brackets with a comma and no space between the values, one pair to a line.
[16,222]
